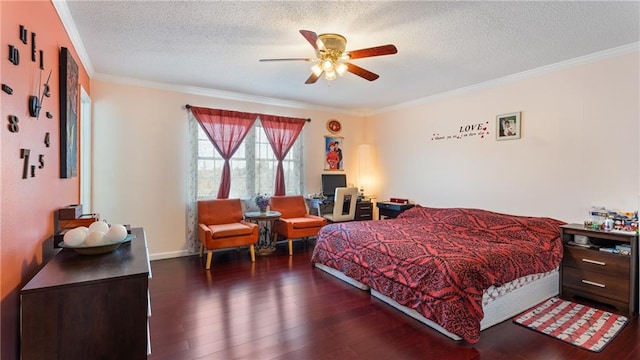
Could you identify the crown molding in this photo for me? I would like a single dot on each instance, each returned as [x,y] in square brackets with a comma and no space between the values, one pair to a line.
[221,94]
[70,27]
[72,31]
[582,60]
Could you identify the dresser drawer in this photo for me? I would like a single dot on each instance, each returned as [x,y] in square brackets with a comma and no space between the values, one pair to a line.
[589,282]
[597,261]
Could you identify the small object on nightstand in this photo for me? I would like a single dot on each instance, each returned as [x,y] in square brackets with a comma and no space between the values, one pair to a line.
[399,200]
[581,239]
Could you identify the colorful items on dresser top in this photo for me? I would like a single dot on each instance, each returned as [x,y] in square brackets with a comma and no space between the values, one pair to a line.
[600,218]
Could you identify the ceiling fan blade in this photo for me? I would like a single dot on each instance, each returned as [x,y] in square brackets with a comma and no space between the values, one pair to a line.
[313,78]
[289,59]
[374,51]
[363,73]
[311,37]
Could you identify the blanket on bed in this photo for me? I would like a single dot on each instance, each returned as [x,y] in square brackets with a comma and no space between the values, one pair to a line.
[439,261]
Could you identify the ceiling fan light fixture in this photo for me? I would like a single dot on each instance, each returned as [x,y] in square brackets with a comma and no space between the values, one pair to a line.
[341,68]
[327,64]
[332,60]
[316,69]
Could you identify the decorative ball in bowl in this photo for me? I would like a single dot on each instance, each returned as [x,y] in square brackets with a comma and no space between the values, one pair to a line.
[98,238]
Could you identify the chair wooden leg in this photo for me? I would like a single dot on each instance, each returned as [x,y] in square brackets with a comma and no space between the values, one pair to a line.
[252,251]
[290,247]
[209,257]
[201,249]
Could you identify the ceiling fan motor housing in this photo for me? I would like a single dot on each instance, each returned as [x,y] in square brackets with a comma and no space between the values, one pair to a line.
[333,42]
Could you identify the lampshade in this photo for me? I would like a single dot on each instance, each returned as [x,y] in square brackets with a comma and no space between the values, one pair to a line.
[316,69]
[327,65]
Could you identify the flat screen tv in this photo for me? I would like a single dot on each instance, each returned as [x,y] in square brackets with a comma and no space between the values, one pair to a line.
[331,181]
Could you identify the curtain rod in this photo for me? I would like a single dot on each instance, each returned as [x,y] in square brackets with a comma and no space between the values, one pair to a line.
[189,107]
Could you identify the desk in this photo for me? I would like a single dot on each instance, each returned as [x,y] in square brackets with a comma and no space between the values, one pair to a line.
[364,208]
[320,205]
[266,237]
[391,210]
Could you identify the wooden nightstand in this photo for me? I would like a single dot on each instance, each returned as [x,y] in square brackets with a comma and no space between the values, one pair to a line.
[391,209]
[364,211]
[593,274]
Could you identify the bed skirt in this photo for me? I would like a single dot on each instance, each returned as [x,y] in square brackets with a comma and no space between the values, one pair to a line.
[502,308]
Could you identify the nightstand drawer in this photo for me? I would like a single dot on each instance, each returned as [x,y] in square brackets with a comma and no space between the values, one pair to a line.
[597,261]
[364,211]
[589,282]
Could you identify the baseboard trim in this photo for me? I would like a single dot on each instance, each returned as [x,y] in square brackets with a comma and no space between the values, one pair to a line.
[170,255]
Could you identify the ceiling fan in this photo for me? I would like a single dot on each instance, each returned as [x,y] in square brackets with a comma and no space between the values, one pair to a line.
[332,59]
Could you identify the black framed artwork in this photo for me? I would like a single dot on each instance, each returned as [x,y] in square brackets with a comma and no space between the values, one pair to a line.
[68,115]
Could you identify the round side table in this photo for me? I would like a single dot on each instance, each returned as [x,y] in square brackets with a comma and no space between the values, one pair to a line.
[267,237]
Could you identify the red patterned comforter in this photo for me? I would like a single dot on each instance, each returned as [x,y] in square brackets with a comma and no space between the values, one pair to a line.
[440,261]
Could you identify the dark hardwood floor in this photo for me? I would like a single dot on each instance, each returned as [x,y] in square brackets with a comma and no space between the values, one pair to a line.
[280,307]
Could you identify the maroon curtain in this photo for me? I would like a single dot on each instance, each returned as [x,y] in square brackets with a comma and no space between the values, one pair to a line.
[226,130]
[281,132]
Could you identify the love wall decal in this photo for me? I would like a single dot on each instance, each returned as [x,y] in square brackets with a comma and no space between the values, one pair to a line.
[466,131]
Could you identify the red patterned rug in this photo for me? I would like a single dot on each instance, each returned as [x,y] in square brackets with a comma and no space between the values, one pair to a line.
[589,328]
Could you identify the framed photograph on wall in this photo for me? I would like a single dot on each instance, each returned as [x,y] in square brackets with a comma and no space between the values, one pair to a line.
[508,126]
[333,160]
[68,115]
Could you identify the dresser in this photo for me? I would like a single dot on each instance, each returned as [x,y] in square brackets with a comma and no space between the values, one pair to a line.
[89,306]
[593,272]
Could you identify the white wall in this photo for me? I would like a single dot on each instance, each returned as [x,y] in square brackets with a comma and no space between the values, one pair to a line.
[140,155]
[579,145]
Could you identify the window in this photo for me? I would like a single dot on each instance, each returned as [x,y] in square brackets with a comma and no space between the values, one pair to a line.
[253,167]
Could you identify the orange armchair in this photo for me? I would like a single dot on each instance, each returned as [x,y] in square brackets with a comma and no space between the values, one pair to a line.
[221,225]
[295,222]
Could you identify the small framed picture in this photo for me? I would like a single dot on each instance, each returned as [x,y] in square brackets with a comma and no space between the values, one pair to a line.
[333,153]
[508,126]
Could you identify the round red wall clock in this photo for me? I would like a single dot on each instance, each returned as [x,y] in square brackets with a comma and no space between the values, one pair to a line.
[334,126]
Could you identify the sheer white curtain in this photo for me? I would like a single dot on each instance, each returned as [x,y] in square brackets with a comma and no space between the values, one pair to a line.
[193,244]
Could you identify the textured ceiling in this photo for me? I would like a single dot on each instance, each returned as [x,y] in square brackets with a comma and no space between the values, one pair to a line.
[442,46]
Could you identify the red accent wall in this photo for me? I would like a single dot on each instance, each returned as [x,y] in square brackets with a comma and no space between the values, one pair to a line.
[28,205]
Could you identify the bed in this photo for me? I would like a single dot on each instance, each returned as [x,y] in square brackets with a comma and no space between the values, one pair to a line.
[457,270]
